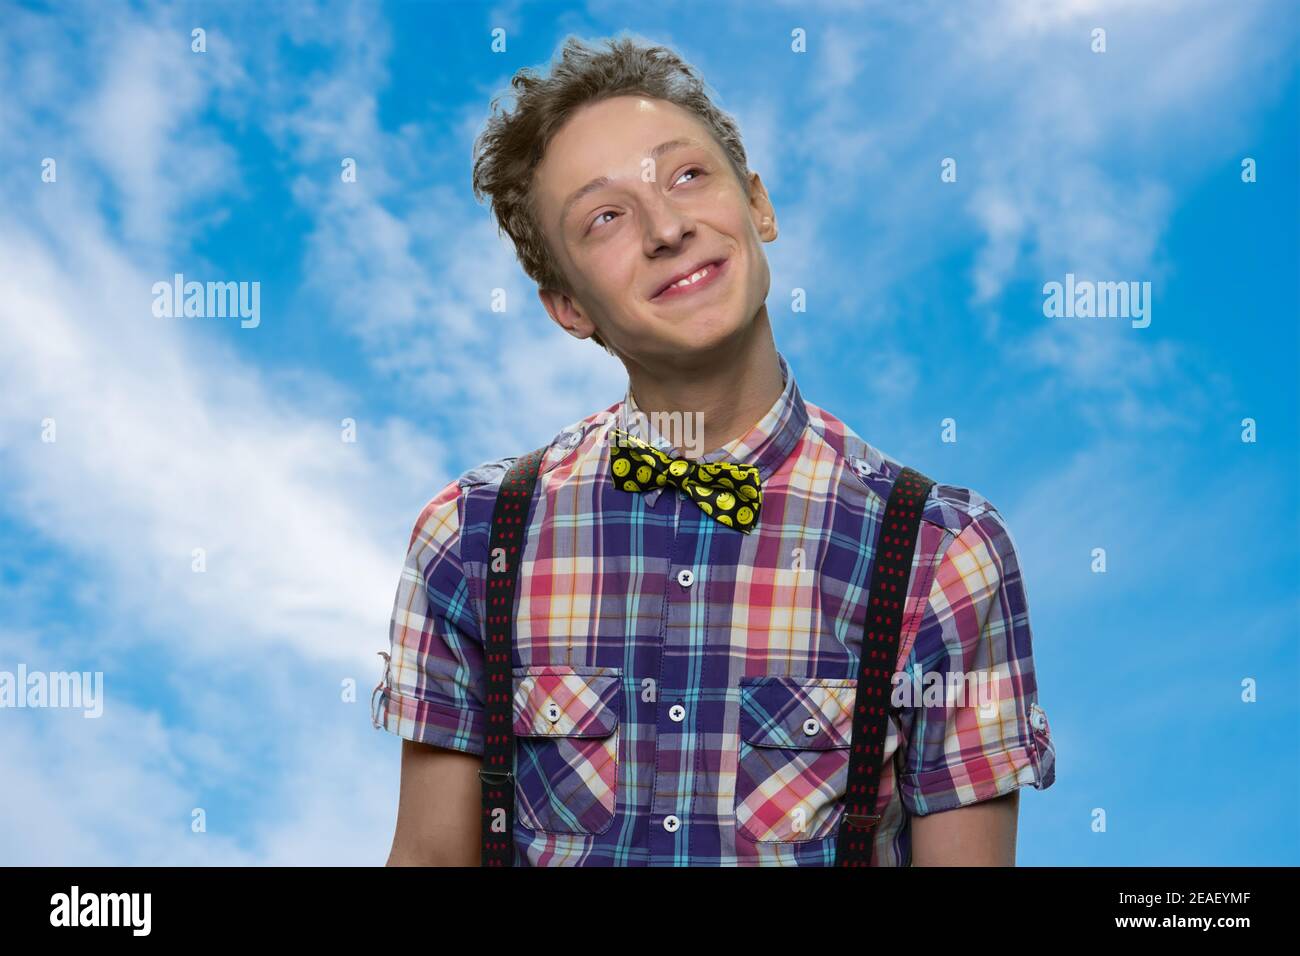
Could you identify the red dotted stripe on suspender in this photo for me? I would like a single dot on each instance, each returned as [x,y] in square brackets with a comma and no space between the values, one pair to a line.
[895,548]
[508,531]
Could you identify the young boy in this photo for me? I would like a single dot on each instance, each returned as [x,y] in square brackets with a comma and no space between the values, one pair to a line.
[684,661]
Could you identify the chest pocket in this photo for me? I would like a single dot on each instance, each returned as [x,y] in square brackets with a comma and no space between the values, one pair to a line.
[793,767]
[566,725]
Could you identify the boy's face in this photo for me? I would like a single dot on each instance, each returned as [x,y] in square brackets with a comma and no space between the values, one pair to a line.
[662,213]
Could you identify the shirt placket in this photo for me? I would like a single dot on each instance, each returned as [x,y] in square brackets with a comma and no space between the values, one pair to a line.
[674,723]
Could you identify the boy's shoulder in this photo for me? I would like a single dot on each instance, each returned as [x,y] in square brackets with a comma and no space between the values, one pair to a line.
[949,506]
[486,476]
[475,489]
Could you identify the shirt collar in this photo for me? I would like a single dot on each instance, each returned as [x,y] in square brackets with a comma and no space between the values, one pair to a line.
[766,445]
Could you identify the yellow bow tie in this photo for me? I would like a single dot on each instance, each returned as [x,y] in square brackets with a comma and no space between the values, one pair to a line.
[730,493]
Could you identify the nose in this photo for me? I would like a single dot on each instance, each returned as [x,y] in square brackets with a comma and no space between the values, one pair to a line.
[666,224]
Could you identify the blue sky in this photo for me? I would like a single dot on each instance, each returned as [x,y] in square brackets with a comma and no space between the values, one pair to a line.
[924,302]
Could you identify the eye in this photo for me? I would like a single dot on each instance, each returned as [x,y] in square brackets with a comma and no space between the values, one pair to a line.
[692,169]
[595,222]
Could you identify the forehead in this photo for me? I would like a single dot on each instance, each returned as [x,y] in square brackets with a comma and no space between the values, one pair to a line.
[610,138]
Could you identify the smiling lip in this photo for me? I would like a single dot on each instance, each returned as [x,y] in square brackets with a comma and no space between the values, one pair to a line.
[716,268]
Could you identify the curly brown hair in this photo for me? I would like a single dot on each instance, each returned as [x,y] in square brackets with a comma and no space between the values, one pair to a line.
[511,145]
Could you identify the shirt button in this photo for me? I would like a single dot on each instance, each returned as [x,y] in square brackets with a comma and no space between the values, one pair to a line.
[685,578]
[1037,718]
[676,713]
[671,823]
[552,711]
[811,726]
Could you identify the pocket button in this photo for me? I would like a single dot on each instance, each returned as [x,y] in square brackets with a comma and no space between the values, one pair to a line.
[812,726]
[1037,719]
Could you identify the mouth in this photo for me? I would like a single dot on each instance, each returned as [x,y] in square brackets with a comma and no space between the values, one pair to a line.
[688,283]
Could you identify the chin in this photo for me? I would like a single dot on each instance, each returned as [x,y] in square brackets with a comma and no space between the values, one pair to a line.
[707,335]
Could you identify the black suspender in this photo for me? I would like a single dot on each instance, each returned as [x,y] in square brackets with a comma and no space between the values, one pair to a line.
[895,547]
[505,555]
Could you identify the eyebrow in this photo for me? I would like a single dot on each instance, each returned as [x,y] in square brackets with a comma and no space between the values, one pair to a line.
[600,182]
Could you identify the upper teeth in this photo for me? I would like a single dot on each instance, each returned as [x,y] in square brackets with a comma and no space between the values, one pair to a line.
[691,279]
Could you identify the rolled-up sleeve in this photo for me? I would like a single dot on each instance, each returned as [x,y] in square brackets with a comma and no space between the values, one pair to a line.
[431,690]
[967,744]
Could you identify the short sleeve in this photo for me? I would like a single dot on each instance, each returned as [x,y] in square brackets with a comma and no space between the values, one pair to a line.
[972,724]
[431,690]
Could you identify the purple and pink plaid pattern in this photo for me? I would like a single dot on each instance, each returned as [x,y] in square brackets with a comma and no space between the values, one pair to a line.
[683,692]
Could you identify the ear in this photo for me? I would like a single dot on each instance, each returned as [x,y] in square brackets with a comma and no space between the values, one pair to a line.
[760,209]
[566,313]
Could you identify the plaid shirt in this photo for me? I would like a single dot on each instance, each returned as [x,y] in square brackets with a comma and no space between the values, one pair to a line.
[684,692]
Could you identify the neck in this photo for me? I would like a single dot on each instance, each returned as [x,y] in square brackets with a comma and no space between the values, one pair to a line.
[730,392]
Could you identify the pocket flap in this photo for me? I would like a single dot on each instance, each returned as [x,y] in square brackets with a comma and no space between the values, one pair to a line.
[562,701]
[797,712]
